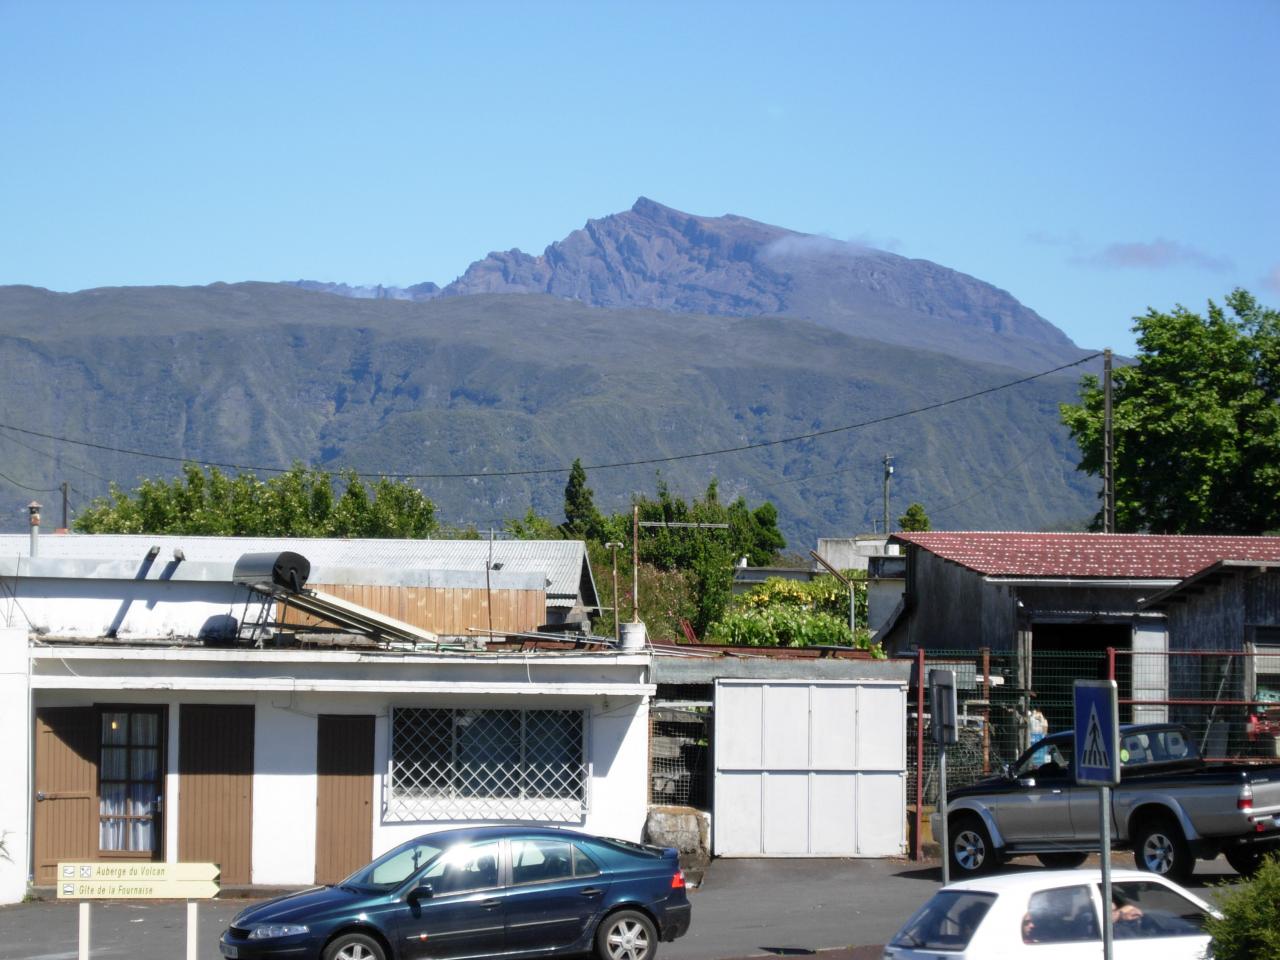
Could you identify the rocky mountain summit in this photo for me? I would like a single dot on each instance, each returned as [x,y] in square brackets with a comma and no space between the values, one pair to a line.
[654,257]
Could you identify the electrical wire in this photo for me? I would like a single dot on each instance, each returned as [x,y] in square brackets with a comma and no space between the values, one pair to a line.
[19,483]
[558,470]
[46,453]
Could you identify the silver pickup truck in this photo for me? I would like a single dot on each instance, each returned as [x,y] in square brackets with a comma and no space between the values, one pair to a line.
[1171,808]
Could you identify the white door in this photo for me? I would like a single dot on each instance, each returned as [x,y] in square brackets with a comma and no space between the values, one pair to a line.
[810,768]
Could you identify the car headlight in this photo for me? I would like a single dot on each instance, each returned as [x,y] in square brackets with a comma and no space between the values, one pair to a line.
[266,931]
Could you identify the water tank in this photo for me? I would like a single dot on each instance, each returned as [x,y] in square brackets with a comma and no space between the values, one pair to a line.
[284,569]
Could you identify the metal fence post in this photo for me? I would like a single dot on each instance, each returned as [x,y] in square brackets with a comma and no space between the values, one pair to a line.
[919,844]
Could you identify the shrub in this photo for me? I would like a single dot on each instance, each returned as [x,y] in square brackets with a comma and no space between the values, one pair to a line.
[786,626]
[824,594]
[1250,924]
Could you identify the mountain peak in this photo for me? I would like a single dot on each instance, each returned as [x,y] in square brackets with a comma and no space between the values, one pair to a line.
[654,256]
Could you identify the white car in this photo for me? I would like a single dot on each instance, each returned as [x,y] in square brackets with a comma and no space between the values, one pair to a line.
[1052,914]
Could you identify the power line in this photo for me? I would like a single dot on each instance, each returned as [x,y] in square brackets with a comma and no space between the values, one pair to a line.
[648,461]
[46,453]
[19,483]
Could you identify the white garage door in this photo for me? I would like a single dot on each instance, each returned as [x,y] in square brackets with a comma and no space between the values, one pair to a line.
[810,769]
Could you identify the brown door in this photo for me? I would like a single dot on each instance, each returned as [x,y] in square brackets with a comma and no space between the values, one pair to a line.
[215,788]
[344,796]
[66,778]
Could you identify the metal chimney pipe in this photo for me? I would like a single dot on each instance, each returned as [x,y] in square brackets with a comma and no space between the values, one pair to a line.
[33,509]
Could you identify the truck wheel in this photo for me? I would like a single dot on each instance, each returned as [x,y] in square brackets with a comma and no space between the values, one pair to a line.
[1245,860]
[970,848]
[1062,861]
[1159,847]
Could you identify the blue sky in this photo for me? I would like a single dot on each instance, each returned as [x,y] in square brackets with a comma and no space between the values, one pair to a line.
[1091,158]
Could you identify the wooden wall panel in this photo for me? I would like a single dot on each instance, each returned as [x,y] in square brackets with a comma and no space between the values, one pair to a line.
[445,610]
[344,795]
[215,767]
[66,788]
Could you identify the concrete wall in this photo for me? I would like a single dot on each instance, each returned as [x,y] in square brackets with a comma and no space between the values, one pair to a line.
[123,608]
[285,784]
[851,553]
[15,760]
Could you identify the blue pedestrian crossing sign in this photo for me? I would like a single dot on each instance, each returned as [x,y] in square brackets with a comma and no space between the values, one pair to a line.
[1097,733]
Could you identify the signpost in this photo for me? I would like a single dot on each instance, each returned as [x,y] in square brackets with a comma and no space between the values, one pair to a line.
[942,715]
[123,880]
[137,881]
[1097,764]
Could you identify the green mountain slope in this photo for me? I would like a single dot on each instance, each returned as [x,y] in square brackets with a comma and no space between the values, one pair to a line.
[260,374]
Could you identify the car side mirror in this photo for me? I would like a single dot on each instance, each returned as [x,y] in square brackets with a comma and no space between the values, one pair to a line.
[1027,782]
[421,891]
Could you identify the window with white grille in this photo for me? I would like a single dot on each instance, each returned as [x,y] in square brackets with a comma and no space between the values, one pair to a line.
[450,764]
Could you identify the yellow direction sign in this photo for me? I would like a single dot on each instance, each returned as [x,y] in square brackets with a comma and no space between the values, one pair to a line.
[137,881]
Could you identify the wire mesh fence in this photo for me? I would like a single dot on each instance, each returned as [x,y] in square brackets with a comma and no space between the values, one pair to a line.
[679,741]
[1003,706]
[1228,699]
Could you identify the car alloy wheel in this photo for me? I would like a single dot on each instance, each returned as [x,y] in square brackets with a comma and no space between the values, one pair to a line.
[1160,849]
[354,946]
[970,846]
[971,851]
[627,935]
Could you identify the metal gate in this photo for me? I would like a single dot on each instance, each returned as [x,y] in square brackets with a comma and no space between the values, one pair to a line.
[810,768]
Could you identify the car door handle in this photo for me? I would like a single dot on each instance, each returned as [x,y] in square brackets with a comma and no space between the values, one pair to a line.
[591,891]
[491,902]
[1056,790]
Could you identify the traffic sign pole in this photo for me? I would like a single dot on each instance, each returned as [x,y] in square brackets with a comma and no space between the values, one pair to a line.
[1097,763]
[942,810]
[1104,832]
[942,709]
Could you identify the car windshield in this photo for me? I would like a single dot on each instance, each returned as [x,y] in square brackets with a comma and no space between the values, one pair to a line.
[947,921]
[395,866]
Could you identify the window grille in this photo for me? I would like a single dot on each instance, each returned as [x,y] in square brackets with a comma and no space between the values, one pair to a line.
[473,764]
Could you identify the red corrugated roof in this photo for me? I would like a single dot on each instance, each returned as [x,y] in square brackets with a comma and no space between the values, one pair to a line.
[1104,555]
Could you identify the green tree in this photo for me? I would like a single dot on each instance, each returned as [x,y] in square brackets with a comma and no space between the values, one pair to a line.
[915,520]
[581,518]
[532,526]
[297,503]
[1196,421]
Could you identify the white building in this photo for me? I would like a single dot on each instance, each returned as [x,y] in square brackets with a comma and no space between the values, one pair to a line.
[142,728]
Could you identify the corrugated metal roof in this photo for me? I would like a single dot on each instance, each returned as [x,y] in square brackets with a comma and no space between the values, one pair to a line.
[1100,555]
[563,562]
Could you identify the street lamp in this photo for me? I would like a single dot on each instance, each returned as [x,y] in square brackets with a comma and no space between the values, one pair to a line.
[613,546]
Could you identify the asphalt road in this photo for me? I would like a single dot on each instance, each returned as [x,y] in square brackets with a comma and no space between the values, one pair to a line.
[744,908]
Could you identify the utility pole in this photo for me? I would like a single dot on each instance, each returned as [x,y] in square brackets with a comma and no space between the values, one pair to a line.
[888,472]
[635,563]
[65,485]
[613,546]
[1108,450]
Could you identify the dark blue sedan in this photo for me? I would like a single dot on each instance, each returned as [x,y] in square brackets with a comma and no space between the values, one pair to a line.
[480,892]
